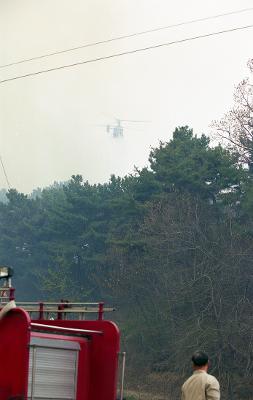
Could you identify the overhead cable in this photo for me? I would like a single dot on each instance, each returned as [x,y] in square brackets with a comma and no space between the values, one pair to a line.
[5,174]
[142,49]
[92,44]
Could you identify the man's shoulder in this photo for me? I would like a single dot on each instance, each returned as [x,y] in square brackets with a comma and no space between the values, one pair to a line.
[212,379]
[193,377]
[203,376]
[187,381]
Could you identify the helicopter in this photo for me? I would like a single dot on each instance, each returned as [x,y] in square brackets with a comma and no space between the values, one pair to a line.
[117,129]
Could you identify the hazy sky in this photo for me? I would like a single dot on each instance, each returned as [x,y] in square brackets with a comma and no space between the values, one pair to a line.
[49,124]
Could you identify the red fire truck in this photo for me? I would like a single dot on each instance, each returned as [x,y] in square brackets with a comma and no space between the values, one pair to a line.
[51,351]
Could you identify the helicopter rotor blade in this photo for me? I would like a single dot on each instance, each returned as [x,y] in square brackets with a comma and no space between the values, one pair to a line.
[132,120]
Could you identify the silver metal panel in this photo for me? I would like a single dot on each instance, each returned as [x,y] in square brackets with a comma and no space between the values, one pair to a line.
[54,343]
[41,327]
[52,372]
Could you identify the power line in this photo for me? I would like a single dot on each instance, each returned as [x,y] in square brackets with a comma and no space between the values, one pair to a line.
[5,174]
[142,49]
[127,36]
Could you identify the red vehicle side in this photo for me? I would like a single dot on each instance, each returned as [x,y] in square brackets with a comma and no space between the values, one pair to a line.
[64,359]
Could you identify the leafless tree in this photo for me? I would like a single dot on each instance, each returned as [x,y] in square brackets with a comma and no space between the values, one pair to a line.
[189,287]
[235,129]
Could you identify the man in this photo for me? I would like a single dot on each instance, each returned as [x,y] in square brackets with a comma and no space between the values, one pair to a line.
[201,385]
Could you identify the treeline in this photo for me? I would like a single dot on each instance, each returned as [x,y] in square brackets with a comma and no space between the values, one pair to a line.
[170,246]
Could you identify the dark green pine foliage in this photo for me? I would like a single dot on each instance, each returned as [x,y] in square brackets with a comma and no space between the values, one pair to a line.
[188,164]
[21,220]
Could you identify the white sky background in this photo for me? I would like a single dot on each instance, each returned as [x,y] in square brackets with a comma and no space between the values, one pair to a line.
[48,123]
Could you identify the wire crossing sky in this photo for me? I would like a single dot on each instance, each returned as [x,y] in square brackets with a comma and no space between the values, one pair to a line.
[127,53]
[193,21]
[5,173]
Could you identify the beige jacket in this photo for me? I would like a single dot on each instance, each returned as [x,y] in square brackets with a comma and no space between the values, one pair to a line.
[201,386]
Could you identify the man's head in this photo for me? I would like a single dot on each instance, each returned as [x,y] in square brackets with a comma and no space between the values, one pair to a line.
[200,360]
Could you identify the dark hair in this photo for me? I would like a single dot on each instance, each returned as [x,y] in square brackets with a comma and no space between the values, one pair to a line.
[199,358]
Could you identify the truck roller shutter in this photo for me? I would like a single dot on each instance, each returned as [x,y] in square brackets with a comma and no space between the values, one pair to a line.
[52,369]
